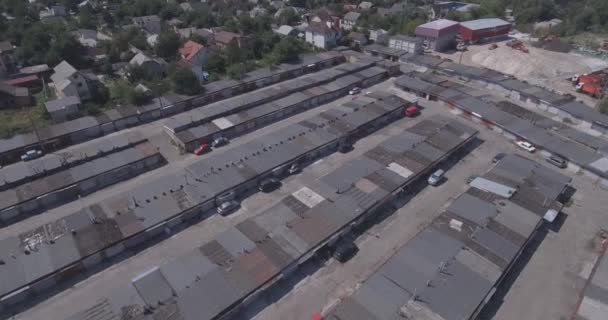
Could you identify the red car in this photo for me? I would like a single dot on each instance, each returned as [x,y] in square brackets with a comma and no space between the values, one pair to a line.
[203,148]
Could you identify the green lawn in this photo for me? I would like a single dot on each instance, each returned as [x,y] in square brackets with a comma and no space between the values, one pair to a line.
[16,121]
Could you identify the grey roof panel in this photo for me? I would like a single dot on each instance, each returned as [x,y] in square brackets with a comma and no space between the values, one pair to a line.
[152,286]
[496,244]
[473,209]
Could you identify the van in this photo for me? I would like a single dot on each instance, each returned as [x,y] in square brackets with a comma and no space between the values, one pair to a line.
[436,177]
[557,161]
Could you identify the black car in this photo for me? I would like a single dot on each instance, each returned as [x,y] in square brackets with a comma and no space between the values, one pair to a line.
[498,157]
[345,250]
[268,185]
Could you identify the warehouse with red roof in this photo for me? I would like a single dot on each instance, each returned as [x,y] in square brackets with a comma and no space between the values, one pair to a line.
[483,30]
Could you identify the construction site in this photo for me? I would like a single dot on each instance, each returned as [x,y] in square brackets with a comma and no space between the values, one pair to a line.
[340,187]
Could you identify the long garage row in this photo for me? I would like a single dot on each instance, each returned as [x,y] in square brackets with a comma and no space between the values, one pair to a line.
[39,259]
[55,179]
[451,269]
[87,128]
[244,120]
[216,279]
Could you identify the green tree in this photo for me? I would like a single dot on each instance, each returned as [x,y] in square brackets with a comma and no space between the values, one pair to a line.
[286,50]
[184,81]
[288,16]
[237,71]
[215,64]
[167,44]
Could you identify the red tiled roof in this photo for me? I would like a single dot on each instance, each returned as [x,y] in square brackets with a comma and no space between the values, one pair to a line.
[190,49]
[20,81]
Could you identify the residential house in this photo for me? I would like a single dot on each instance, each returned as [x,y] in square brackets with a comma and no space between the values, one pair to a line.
[175,23]
[186,33]
[398,8]
[365,6]
[350,20]
[257,11]
[92,3]
[155,65]
[90,38]
[150,24]
[442,8]
[63,109]
[224,38]
[53,12]
[285,30]
[322,35]
[347,7]
[43,71]
[152,39]
[383,12]
[32,82]
[14,97]
[186,6]
[70,82]
[277,4]
[357,39]
[379,36]
[194,53]
[8,65]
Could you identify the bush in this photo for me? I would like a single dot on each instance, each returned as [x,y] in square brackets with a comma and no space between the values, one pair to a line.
[184,81]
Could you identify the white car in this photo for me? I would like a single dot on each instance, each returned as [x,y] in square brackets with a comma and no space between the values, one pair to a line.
[526,146]
[354,91]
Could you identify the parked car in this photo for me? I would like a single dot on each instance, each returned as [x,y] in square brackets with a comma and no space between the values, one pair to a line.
[436,177]
[31,155]
[268,185]
[227,207]
[345,250]
[412,111]
[354,91]
[295,168]
[346,148]
[203,148]
[498,157]
[557,161]
[218,142]
[526,146]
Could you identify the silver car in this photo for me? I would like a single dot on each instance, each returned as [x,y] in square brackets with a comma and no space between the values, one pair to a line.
[436,177]
[227,207]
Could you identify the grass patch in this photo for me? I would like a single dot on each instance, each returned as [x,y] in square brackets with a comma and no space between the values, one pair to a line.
[16,121]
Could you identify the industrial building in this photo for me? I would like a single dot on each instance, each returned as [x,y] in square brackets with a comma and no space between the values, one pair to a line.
[378,50]
[410,45]
[439,35]
[216,279]
[585,119]
[584,152]
[484,30]
[86,128]
[220,122]
[451,269]
[40,258]
[55,179]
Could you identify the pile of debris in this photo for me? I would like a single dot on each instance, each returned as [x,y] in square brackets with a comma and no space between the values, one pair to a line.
[552,43]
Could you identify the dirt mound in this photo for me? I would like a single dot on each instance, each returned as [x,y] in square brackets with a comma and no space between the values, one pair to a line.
[538,64]
[553,44]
